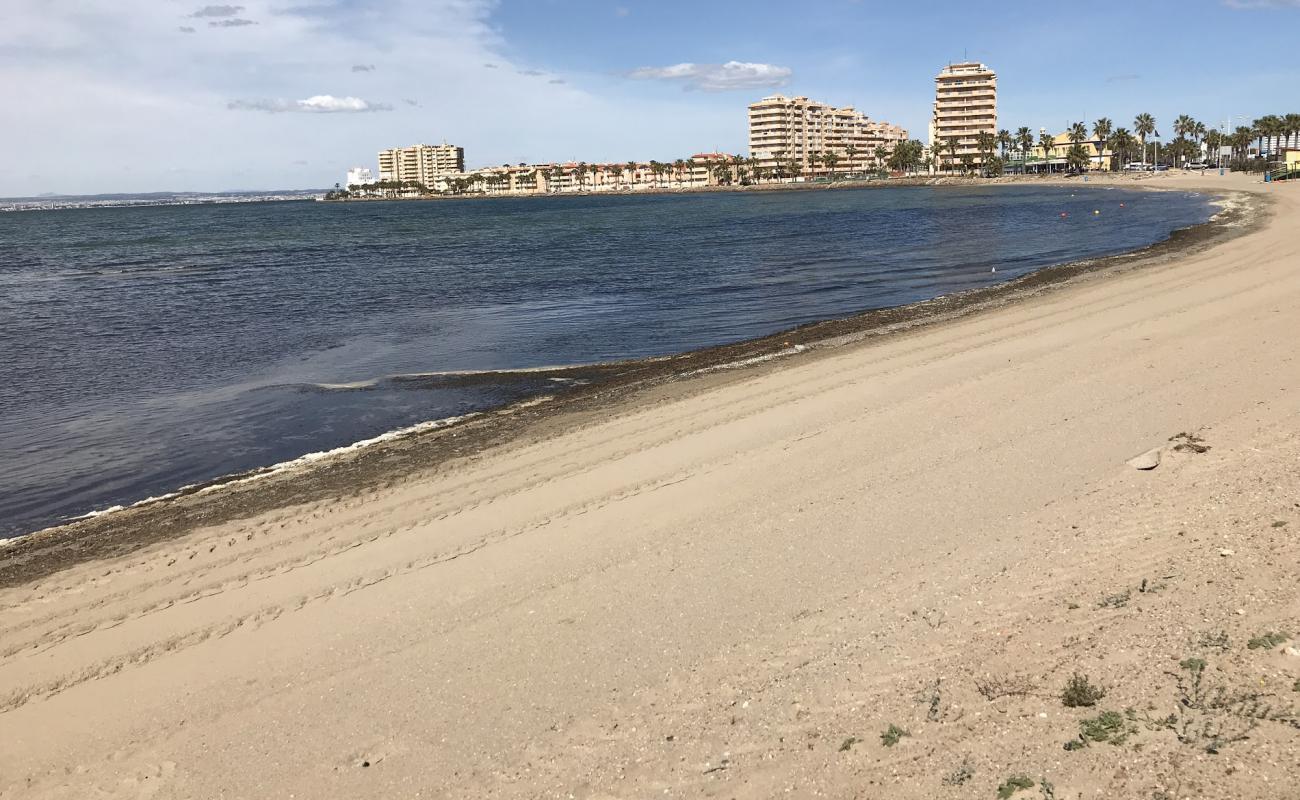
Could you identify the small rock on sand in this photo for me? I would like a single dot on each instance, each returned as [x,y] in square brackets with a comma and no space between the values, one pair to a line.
[1148,460]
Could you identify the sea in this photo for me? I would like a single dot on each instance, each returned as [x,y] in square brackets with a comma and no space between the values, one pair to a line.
[143,349]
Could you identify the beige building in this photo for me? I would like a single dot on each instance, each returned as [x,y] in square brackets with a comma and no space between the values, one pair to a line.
[422,162]
[699,171]
[1099,155]
[965,105]
[784,129]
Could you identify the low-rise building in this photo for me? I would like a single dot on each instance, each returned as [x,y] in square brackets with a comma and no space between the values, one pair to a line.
[698,171]
[1055,158]
[359,176]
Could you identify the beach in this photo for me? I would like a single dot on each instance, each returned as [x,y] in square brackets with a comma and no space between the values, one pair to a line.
[730,578]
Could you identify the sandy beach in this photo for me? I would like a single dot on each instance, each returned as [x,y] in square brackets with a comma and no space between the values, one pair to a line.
[733,584]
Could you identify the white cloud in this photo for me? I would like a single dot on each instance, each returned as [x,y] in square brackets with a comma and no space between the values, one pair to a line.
[218,11]
[316,104]
[731,76]
[119,85]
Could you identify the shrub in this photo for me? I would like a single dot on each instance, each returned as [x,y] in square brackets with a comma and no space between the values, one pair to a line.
[1014,784]
[892,735]
[1080,693]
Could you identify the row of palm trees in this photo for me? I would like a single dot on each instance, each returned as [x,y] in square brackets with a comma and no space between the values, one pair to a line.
[1006,149]
[727,171]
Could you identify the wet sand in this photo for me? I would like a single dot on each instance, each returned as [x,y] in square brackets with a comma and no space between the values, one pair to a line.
[702,579]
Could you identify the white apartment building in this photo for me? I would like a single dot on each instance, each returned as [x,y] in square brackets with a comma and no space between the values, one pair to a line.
[784,129]
[421,162]
[965,105]
[359,176]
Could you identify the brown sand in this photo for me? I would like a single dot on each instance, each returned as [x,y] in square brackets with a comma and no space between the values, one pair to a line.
[732,586]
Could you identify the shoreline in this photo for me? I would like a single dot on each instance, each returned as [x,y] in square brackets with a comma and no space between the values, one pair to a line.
[432,446]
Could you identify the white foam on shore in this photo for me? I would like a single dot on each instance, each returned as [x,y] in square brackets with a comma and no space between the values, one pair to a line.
[745,362]
[277,469]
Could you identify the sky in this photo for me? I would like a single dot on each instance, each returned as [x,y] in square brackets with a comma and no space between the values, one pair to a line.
[190,95]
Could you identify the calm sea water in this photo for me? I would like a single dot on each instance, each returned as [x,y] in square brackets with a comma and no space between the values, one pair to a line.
[145,349]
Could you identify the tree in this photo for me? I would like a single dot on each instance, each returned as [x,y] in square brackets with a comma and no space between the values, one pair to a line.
[1102,129]
[851,151]
[985,141]
[952,143]
[1213,142]
[906,156]
[1291,122]
[1076,158]
[1274,128]
[1144,125]
[830,158]
[1004,142]
[738,164]
[1024,144]
[881,156]
[1048,143]
[1241,139]
[1121,144]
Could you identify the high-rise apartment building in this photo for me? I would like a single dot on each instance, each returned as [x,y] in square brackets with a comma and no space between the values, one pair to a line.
[965,105]
[784,129]
[422,162]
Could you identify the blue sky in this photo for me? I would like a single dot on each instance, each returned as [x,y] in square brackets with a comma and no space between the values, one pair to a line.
[233,94]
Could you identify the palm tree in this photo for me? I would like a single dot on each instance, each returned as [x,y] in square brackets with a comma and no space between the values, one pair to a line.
[1102,129]
[1213,143]
[1024,143]
[1048,143]
[738,164]
[830,158]
[1241,139]
[1292,124]
[881,153]
[631,173]
[953,143]
[986,142]
[1121,143]
[1144,125]
[1077,157]
[1004,142]
[617,171]
[852,152]
[1269,129]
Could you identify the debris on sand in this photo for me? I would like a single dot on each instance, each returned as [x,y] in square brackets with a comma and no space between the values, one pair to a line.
[1148,460]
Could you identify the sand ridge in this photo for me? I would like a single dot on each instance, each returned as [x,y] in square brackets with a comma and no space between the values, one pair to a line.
[735,591]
